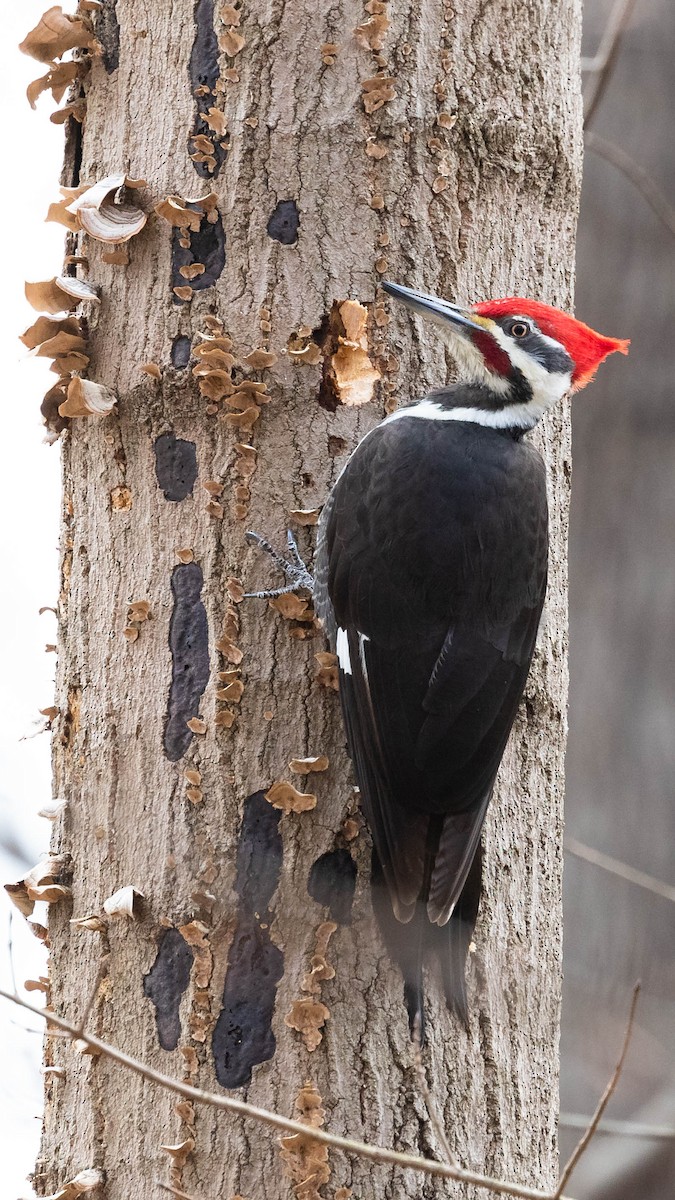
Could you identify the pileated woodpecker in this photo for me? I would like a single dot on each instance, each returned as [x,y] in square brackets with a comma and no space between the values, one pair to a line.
[430,580]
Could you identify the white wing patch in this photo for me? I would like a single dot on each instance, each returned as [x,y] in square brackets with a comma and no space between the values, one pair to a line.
[342,651]
[363,638]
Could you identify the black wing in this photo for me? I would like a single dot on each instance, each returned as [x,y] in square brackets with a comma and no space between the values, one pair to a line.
[430,578]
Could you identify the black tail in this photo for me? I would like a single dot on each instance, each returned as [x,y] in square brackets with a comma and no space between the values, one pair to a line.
[406,944]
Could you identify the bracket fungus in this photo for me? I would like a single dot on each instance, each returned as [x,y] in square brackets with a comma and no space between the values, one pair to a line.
[63,293]
[286,797]
[371,33]
[305,1159]
[306,766]
[327,673]
[57,80]
[56,32]
[377,91]
[304,516]
[40,883]
[105,211]
[85,1181]
[123,903]
[87,399]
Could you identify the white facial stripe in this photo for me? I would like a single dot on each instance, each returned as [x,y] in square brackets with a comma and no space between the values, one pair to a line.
[548,387]
[514,416]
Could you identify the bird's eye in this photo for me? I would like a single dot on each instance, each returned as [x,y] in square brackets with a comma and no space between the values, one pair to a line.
[519,329]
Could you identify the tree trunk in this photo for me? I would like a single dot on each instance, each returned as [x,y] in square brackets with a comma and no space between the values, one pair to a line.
[456,170]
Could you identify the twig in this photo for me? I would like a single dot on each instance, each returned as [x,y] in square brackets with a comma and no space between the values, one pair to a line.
[615,867]
[378,1154]
[625,1129]
[432,1111]
[637,176]
[603,64]
[168,1187]
[604,1100]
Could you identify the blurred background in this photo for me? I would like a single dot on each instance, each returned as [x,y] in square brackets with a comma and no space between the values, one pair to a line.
[621,751]
[621,757]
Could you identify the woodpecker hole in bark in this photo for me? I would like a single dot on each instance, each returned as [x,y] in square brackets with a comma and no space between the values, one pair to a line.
[349,377]
[207,247]
[175,466]
[107,29]
[165,983]
[181,348]
[243,1035]
[189,645]
[204,72]
[332,882]
[284,223]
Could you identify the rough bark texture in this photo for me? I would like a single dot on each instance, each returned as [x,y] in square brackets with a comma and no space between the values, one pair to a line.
[486,206]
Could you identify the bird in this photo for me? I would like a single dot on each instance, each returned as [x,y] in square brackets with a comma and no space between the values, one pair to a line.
[430,577]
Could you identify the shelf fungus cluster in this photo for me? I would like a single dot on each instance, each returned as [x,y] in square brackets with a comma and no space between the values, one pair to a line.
[41,883]
[309,1014]
[106,211]
[237,398]
[54,35]
[61,338]
[230,685]
[306,1160]
[89,1180]
[198,249]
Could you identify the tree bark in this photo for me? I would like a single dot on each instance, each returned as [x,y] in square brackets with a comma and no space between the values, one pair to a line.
[236,894]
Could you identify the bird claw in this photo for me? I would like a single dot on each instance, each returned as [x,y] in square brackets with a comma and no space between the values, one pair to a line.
[294,569]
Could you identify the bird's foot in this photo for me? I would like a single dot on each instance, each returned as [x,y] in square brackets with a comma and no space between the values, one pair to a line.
[293,568]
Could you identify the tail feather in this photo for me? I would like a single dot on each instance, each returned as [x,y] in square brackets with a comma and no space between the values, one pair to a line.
[459,932]
[407,943]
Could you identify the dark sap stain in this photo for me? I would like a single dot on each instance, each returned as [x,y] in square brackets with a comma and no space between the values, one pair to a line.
[259,855]
[108,34]
[284,222]
[207,247]
[165,983]
[189,645]
[243,1033]
[181,348]
[332,882]
[175,466]
[204,72]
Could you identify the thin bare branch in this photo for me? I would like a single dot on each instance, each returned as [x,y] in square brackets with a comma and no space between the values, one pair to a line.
[637,176]
[378,1154]
[625,1129]
[615,867]
[604,1100]
[602,66]
[432,1111]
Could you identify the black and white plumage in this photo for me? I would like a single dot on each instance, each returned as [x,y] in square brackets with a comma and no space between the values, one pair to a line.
[430,577]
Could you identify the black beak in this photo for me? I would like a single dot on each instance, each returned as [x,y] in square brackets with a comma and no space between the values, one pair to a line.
[439,311]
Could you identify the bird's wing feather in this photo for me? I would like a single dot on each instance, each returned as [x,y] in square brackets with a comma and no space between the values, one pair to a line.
[439,642]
